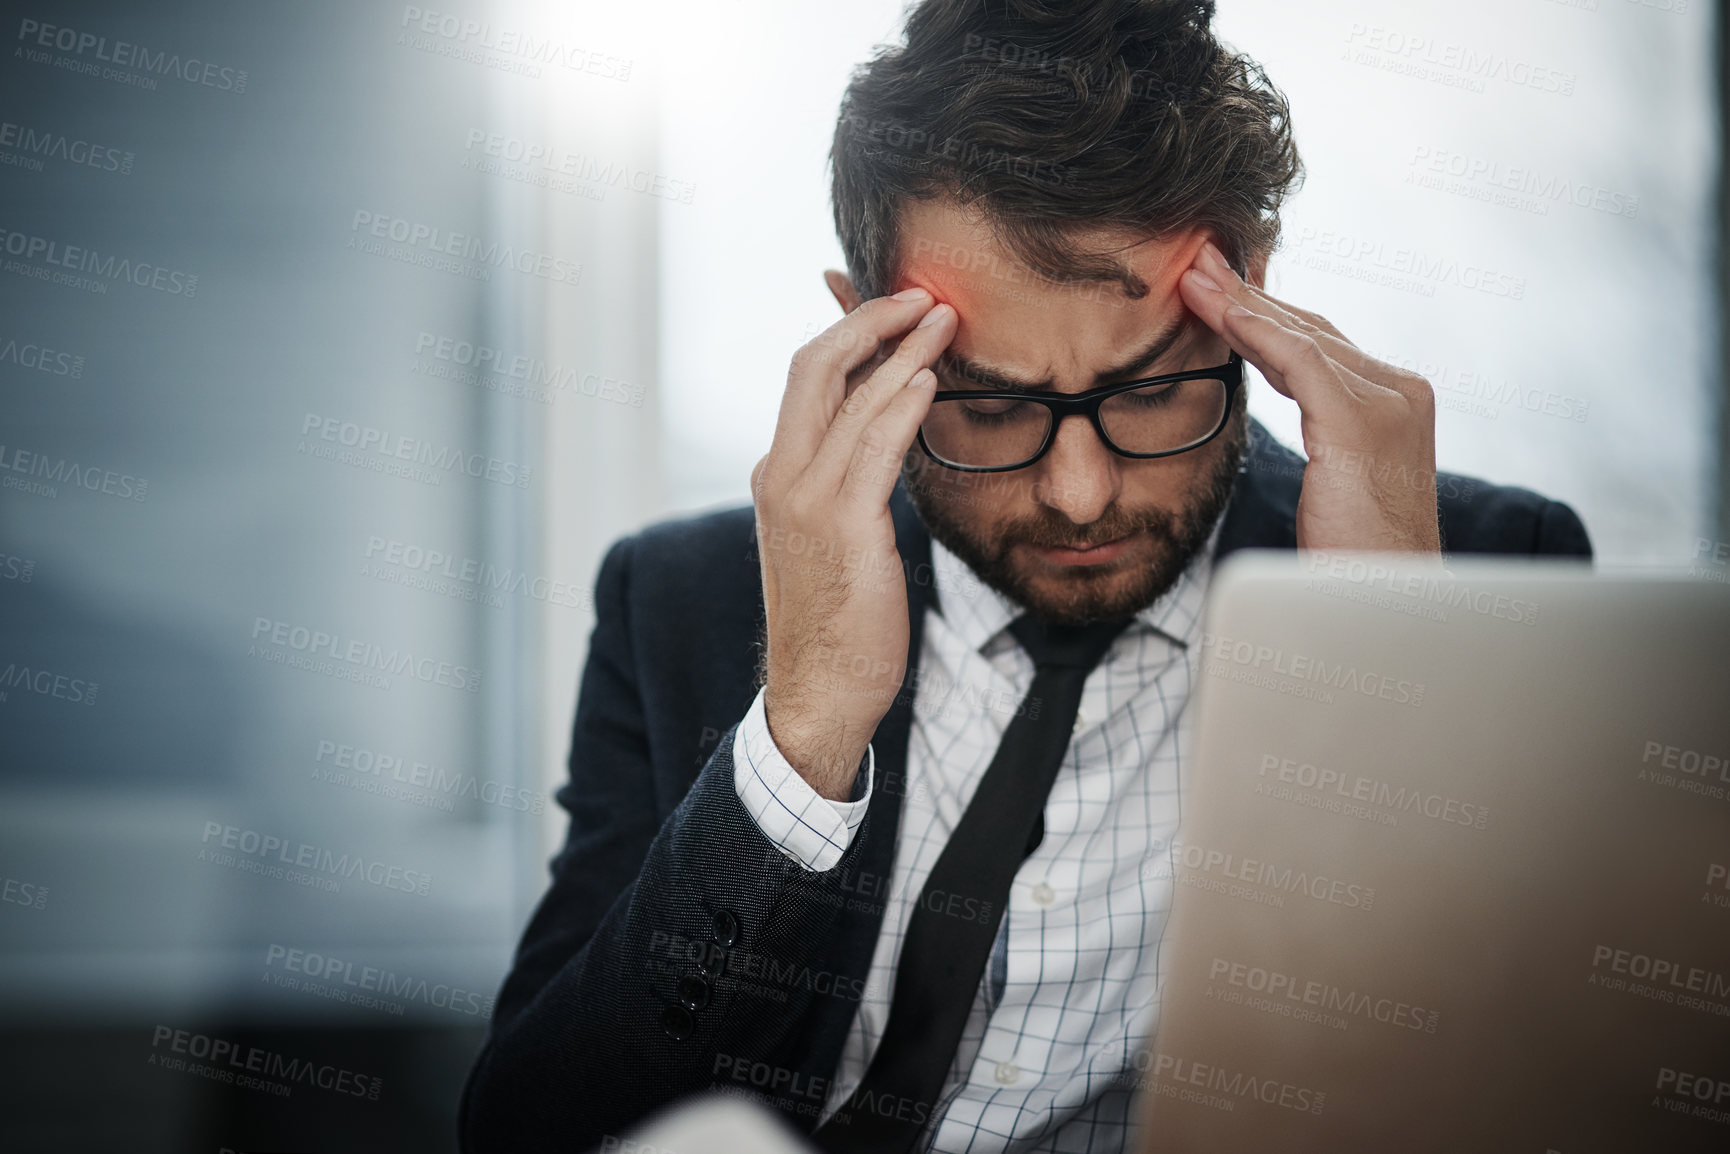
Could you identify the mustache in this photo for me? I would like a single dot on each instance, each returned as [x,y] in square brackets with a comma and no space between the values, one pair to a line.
[1051,530]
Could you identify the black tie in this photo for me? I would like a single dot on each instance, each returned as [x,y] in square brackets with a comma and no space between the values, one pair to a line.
[951,932]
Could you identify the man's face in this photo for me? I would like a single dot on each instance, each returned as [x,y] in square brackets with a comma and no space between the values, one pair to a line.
[1082,534]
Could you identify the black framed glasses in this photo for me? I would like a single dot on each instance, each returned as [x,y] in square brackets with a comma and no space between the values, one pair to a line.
[986,431]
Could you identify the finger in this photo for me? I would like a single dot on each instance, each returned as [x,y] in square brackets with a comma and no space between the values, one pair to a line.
[817,377]
[1361,366]
[828,468]
[1216,301]
[1370,370]
[1259,333]
[1295,315]
[1367,374]
[1302,317]
[1293,362]
[881,445]
[1211,263]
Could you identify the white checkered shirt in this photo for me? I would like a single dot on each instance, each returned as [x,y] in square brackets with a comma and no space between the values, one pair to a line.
[1070,990]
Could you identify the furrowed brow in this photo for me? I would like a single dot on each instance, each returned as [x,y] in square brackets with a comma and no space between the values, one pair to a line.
[1147,357]
[999,380]
[981,377]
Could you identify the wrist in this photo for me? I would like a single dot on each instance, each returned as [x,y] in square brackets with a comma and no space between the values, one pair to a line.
[829,755]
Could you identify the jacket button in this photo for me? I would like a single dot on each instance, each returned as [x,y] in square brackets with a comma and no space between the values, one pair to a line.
[694,992]
[711,958]
[678,1023]
[726,928]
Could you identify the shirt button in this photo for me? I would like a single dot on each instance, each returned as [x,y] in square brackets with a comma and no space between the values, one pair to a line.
[1080,722]
[1044,894]
[1007,1073]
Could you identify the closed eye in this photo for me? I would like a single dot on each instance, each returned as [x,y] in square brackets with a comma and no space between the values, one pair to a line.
[1151,397]
[991,411]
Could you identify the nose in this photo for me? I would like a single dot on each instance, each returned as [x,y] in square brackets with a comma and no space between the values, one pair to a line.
[1079,477]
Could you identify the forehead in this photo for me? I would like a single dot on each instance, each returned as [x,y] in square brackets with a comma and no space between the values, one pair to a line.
[1012,320]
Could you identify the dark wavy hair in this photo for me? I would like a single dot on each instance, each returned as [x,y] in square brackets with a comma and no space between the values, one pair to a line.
[1052,116]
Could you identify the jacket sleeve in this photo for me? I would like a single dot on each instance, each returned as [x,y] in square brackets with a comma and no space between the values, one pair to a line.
[1480,518]
[624,994]
[1561,532]
[803,824]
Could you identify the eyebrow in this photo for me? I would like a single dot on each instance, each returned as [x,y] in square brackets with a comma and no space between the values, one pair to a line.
[999,381]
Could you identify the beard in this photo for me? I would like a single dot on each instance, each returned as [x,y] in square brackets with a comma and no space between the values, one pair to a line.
[1085,593]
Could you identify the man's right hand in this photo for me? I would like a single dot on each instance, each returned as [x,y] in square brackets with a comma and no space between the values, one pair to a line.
[832,580]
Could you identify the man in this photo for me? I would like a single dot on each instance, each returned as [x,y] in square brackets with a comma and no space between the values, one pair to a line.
[777,881]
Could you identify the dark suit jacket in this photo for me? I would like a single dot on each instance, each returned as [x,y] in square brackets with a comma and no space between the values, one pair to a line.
[665,889]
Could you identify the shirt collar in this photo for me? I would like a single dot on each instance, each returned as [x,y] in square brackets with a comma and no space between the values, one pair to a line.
[977,613]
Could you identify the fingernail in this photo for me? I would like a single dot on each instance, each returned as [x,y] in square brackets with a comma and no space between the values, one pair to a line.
[932,317]
[1215,255]
[911,294]
[1238,311]
[1204,281]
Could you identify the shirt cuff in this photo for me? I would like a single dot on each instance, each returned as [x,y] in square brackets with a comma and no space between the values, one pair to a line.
[802,823]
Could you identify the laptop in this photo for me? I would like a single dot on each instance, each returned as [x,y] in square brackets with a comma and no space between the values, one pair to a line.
[1453,872]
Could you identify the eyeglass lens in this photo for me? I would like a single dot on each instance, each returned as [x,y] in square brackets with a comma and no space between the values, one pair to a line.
[1002,432]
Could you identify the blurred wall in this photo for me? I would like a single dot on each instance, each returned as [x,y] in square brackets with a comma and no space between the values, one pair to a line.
[318,409]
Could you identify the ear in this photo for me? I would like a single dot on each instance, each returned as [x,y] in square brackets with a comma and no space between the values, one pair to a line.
[845,294]
[1258,271]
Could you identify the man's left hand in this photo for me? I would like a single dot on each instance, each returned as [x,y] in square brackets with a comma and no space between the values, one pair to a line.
[1369,428]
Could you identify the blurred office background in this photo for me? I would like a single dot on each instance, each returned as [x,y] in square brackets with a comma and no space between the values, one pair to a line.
[337,340]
